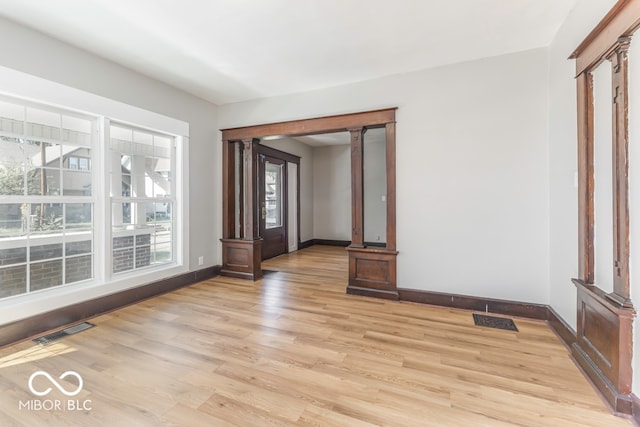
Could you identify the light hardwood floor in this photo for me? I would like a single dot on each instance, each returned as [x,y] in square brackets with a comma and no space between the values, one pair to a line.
[293,349]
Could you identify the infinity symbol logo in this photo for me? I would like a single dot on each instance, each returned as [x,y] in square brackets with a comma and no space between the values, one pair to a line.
[55,383]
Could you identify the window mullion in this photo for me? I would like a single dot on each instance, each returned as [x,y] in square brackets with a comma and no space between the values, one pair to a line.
[103,209]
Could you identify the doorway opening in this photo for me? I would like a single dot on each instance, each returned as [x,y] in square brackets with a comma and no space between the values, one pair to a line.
[278,201]
[246,236]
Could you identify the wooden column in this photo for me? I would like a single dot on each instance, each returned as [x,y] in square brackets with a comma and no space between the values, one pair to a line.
[620,92]
[391,184]
[604,339]
[241,257]
[357,189]
[372,271]
[228,190]
[250,190]
[585,178]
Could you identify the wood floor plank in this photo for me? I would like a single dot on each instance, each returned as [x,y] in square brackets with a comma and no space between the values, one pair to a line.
[294,350]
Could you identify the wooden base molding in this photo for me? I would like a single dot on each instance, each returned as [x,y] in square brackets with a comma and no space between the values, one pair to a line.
[372,272]
[635,404]
[565,332]
[510,308]
[325,242]
[306,244]
[342,243]
[39,324]
[241,258]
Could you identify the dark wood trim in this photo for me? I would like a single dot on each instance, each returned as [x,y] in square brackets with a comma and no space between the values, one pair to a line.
[357,188]
[604,344]
[228,208]
[287,158]
[391,183]
[356,123]
[306,244]
[250,204]
[326,242]
[490,305]
[241,258]
[376,245]
[565,332]
[620,113]
[585,178]
[298,210]
[328,124]
[635,405]
[373,293]
[622,20]
[274,152]
[342,243]
[44,323]
[618,402]
[373,270]
[239,149]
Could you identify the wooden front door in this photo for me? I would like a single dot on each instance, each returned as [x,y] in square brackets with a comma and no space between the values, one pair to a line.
[272,187]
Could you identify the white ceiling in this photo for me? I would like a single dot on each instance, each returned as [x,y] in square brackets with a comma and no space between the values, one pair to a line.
[233,50]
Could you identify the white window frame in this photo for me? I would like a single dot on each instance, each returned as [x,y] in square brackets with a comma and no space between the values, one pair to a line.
[43,92]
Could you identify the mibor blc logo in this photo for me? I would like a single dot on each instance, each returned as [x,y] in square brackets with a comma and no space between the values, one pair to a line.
[55,383]
[54,404]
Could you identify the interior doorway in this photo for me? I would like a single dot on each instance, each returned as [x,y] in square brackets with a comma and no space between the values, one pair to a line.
[372,269]
[278,202]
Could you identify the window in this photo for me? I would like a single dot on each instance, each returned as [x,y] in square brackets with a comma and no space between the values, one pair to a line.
[273,195]
[52,195]
[46,207]
[142,198]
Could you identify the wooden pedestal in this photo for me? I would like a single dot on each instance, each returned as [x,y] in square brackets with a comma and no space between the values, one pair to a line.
[604,345]
[241,258]
[372,272]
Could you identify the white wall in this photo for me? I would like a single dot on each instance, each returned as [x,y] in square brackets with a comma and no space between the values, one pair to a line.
[563,154]
[305,153]
[375,186]
[36,54]
[603,172]
[472,169]
[332,192]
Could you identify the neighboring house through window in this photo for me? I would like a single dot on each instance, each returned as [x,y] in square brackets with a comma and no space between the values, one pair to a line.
[50,169]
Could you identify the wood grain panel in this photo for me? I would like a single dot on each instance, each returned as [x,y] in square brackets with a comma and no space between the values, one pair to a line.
[241,258]
[237,257]
[622,20]
[603,346]
[328,124]
[599,334]
[372,272]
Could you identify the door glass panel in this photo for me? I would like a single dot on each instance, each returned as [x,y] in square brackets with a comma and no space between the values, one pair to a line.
[273,195]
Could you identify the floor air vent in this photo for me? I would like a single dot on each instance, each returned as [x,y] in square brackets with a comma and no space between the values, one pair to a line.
[494,322]
[54,336]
